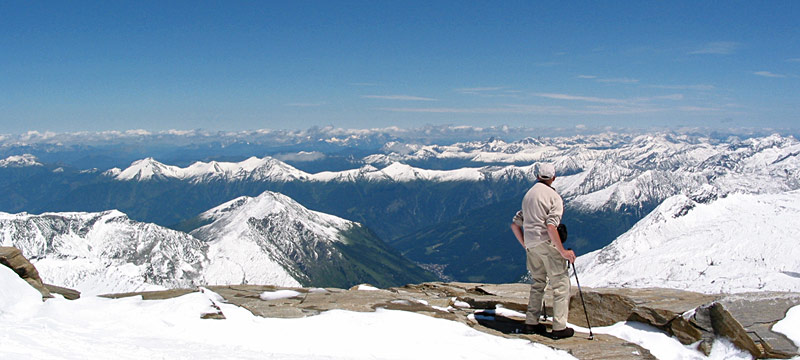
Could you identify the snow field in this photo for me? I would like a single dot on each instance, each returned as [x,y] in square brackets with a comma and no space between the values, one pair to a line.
[740,243]
[132,328]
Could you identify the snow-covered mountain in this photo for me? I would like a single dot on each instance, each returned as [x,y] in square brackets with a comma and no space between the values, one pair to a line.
[272,239]
[268,169]
[739,243]
[607,171]
[20,161]
[614,179]
[252,169]
[105,252]
[269,239]
[258,240]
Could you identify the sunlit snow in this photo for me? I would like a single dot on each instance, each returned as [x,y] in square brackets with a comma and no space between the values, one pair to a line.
[740,243]
[132,328]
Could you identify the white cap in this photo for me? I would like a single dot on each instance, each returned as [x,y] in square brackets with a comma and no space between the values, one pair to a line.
[545,171]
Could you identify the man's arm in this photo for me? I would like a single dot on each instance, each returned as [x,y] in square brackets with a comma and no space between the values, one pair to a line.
[518,233]
[552,231]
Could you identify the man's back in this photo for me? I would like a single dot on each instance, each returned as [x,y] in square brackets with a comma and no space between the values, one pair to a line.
[541,206]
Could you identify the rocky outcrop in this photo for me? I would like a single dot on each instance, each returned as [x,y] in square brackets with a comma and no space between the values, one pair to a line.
[12,257]
[745,319]
[69,294]
[756,313]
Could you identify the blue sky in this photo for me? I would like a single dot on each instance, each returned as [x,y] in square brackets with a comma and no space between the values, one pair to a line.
[93,66]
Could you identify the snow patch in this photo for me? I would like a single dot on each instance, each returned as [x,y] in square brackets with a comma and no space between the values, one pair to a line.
[790,325]
[279,294]
[665,347]
[365,287]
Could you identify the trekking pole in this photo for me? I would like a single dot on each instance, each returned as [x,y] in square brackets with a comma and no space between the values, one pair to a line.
[591,336]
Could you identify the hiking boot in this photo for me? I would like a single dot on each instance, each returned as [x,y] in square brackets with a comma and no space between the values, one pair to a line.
[534,329]
[561,334]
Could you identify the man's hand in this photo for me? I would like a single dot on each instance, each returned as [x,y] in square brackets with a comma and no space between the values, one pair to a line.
[568,255]
[556,241]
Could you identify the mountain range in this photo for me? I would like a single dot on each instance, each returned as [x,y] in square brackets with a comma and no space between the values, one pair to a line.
[269,239]
[445,206]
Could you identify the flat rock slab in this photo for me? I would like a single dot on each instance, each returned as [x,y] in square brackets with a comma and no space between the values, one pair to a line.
[67,293]
[599,347]
[758,313]
[608,306]
[152,295]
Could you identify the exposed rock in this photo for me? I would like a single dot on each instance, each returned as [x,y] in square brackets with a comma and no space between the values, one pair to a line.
[216,311]
[13,258]
[600,347]
[69,294]
[744,319]
[726,325]
[152,295]
[658,307]
[757,313]
[690,317]
[213,316]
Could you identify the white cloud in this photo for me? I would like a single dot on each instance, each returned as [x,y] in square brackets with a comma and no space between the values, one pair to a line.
[699,87]
[300,156]
[698,108]
[717,48]
[305,104]
[524,109]
[663,97]
[619,110]
[793,60]
[622,80]
[769,74]
[580,98]
[479,90]
[619,80]
[398,97]
[449,110]
[363,84]
[490,92]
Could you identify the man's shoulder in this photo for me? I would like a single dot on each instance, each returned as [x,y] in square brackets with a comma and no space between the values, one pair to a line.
[540,187]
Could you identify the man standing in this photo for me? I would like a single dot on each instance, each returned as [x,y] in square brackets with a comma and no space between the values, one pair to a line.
[542,208]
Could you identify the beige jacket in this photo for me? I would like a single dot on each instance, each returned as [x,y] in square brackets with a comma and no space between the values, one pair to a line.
[541,206]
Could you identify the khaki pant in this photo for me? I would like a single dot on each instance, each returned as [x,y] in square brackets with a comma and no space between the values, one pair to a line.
[544,262]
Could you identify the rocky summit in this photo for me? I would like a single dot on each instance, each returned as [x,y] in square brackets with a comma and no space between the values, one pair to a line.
[693,318]
[745,319]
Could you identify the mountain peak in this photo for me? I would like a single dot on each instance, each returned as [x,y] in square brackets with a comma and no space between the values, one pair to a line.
[272,239]
[235,216]
[147,169]
[252,168]
[23,160]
